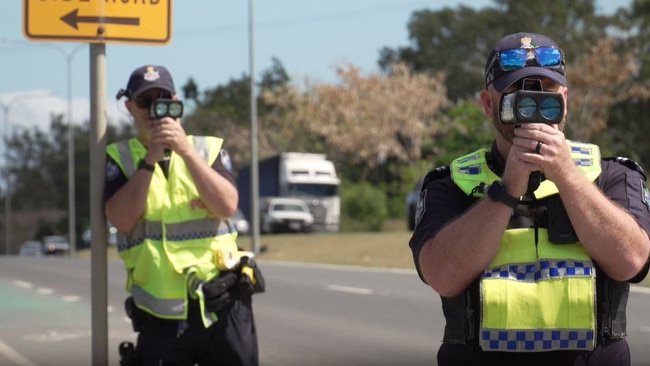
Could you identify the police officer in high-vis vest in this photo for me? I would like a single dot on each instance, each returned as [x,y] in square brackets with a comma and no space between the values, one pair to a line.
[533,242]
[170,196]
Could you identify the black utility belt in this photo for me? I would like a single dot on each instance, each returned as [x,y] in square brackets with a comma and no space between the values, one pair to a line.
[140,319]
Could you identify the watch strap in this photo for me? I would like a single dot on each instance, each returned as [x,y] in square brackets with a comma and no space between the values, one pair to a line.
[145,166]
[497,192]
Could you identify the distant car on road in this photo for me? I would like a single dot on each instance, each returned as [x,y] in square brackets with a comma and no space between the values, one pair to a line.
[411,202]
[31,248]
[56,245]
[111,240]
[280,214]
[241,224]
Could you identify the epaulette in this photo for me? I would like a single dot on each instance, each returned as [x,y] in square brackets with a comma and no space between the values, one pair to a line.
[437,173]
[628,163]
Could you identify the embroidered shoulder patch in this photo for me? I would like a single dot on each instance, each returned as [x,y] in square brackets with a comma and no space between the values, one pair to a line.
[225,160]
[112,170]
[420,208]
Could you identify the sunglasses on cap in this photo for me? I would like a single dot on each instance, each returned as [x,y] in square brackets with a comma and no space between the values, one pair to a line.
[145,101]
[516,58]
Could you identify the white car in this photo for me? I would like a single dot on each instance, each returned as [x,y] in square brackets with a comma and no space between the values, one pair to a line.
[281,214]
[56,245]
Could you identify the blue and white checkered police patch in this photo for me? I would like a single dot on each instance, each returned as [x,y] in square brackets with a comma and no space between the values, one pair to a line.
[112,170]
[225,160]
[420,208]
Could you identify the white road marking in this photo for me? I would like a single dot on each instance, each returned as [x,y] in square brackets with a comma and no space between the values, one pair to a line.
[352,290]
[54,336]
[71,298]
[45,291]
[14,356]
[23,284]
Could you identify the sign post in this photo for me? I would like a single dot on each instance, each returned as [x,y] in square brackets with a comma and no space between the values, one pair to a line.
[98,21]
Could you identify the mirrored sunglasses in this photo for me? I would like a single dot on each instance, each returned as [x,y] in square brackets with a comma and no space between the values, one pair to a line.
[516,58]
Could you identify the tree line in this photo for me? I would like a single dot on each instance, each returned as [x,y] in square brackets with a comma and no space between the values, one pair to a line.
[382,129]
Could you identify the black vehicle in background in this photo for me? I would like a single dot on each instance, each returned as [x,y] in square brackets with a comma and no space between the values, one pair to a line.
[410,202]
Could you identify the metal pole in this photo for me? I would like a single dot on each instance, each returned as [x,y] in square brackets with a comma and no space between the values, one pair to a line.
[72,223]
[98,256]
[255,215]
[8,185]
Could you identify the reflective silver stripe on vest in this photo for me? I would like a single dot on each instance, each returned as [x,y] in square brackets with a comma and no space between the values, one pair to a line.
[125,157]
[187,230]
[541,270]
[161,307]
[201,146]
[537,340]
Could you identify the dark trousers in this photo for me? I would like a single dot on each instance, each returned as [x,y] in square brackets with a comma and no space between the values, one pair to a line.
[232,340]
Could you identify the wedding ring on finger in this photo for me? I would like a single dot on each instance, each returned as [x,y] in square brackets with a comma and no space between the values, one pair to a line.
[538,147]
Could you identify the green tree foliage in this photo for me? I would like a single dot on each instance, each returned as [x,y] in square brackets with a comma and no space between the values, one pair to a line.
[456,41]
[37,167]
[629,115]
[224,111]
[383,130]
[364,207]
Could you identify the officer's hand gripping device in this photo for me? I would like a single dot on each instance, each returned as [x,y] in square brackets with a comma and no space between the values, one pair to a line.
[531,104]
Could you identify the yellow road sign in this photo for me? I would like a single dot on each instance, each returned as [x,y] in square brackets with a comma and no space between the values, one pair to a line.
[98,21]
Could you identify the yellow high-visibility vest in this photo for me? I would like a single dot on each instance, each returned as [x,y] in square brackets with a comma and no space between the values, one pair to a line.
[172,247]
[535,295]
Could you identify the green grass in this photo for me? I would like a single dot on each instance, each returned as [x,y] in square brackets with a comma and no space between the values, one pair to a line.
[382,249]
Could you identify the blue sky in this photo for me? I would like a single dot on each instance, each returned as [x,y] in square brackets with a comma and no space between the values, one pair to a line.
[210,43]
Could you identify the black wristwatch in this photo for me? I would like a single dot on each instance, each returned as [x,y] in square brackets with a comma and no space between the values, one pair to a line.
[497,192]
[145,166]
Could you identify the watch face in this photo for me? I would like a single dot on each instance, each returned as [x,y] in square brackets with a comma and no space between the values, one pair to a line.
[497,192]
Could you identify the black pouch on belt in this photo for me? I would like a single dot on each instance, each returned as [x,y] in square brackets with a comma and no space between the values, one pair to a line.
[137,316]
[220,291]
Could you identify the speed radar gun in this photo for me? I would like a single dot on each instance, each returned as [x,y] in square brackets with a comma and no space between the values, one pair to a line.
[531,104]
[166,108]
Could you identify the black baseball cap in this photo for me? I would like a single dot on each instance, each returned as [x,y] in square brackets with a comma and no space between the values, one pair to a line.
[502,79]
[148,77]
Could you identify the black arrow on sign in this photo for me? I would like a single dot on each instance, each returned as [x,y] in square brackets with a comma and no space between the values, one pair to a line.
[72,18]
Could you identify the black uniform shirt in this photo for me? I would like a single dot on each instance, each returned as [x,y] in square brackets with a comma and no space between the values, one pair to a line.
[441,201]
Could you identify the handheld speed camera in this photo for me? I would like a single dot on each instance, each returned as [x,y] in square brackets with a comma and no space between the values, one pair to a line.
[531,104]
[166,108]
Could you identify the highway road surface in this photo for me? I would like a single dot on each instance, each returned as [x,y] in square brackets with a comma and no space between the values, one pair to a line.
[310,315]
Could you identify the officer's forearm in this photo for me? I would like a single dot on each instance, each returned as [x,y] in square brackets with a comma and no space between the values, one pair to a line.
[125,207]
[611,236]
[451,260]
